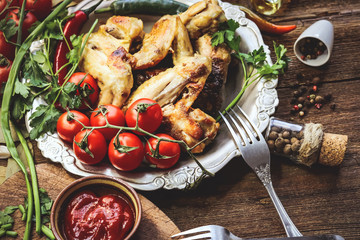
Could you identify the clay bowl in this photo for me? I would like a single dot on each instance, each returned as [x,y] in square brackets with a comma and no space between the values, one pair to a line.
[100,185]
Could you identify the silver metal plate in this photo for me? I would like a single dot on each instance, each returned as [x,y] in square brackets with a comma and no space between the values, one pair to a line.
[259,102]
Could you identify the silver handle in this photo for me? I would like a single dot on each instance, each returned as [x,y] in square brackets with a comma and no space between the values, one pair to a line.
[291,230]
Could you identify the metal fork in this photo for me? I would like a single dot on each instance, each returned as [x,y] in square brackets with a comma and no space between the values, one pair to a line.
[215,232]
[256,154]
[207,232]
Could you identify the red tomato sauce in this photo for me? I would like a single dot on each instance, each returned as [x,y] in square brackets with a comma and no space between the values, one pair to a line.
[107,217]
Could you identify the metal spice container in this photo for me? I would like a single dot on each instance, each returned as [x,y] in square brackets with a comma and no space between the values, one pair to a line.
[305,144]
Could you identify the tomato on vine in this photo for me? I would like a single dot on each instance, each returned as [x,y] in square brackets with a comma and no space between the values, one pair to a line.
[29,20]
[126,151]
[68,126]
[89,146]
[41,8]
[88,88]
[150,115]
[114,116]
[162,155]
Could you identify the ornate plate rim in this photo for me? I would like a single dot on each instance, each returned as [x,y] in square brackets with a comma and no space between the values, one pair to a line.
[52,147]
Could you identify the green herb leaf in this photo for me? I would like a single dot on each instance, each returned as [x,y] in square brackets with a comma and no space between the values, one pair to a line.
[8,27]
[227,35]
[43,120]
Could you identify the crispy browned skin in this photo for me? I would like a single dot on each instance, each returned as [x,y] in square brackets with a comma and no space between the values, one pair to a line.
[190,125]
[181,45]
[157,43]
[203,17]
[211,97]
[107,59]
[167,86]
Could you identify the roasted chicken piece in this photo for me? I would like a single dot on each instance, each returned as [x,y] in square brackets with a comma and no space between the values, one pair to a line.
[203,17]
[106,58]
[193,126]
[113,74]
[168,85]
[181,45]
[211,97]
[157,43]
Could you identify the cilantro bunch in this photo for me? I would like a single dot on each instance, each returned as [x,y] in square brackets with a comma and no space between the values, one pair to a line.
[254,64]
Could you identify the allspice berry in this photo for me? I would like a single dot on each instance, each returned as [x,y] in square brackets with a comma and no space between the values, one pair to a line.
[286,134]
[271,144]
[287,149]
[279,143]
[273,135]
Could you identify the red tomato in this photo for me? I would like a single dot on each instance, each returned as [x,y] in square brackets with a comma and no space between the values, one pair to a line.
[150,115]
[5,66]
[29,20]
[122,158]
[41,8]
[3,4]
[89,89]
[67,127]
[114,115]
[95,148]
[169,152]
[6,49]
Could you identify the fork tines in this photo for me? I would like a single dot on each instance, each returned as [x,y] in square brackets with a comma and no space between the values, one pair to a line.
[202,232]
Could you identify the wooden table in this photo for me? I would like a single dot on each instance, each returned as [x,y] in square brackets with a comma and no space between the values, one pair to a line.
[320,200]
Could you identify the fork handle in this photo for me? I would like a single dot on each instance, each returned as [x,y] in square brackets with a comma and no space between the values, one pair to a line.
[290,228]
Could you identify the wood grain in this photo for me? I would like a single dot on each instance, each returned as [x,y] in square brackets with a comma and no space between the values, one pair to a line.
[53,178]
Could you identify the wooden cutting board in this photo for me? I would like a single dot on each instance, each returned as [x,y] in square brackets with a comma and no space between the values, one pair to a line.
[53,178]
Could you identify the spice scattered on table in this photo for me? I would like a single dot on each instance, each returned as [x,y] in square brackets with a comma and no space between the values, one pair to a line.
[311,48]
[306,96]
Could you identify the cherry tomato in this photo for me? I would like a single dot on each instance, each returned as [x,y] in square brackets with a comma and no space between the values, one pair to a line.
[89,89]
[121,156]
[6,49]
[93,148]
[67,127]
[150,115]
[5,66]
[169,152]
[3,3]
[29,20]
[41,8]
[114,115]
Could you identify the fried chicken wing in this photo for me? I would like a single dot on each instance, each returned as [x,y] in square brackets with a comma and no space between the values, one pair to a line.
[157,43]
[168,85]
[203,17]
[181,45]
[211,97]
[106,58]
[193,126]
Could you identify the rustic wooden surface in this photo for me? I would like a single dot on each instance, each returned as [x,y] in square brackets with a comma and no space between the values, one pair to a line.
[54,178]
[319,200]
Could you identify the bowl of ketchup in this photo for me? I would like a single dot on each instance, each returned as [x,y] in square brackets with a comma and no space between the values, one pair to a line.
[96,207]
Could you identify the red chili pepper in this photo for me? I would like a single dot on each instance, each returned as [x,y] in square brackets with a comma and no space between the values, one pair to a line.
[266,26]
[73,26]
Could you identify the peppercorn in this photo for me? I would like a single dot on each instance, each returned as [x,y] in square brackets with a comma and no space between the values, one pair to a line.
[296,107]
[286,134]
[316,80]
[300,106]
[312,101]
[279,143]
[271,144]
[314,88]
[301,99]
[312,96]
[318,105]
[287,149]
[296,93]
[273,135]
[319,99]
[301,113]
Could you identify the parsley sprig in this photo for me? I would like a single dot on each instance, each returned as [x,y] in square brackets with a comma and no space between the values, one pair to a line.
[254,64]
